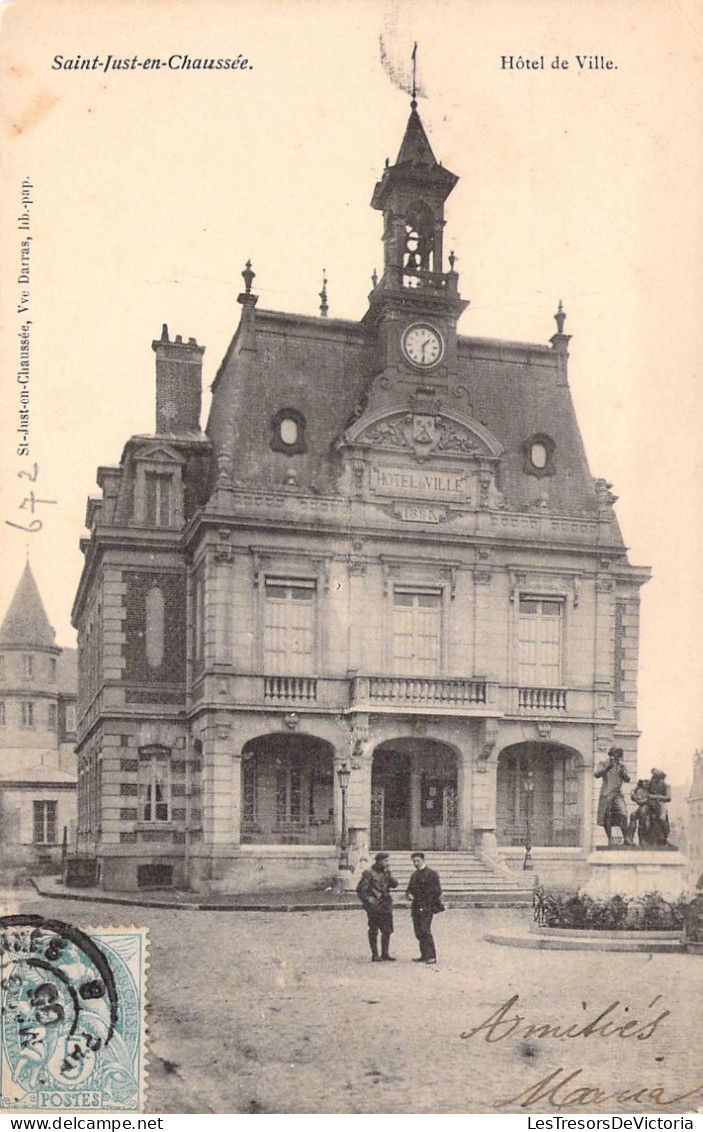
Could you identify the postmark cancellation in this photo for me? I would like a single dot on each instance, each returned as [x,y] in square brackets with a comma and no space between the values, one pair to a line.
[72,1025]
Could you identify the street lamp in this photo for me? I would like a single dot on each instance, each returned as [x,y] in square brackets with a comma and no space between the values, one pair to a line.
[344,774]
[528,786]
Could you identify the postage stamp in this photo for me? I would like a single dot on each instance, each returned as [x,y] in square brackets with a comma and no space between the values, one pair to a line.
[72,1032]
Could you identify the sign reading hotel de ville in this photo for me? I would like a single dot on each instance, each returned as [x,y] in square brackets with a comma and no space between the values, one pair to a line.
[420,483]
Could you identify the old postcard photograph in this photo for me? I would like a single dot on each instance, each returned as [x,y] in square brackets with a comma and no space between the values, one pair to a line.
[350,603]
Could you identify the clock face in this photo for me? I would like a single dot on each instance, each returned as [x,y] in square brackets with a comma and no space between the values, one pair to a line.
[423,345]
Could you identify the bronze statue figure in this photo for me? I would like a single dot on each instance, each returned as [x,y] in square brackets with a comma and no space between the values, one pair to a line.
[650,820]
[611,804]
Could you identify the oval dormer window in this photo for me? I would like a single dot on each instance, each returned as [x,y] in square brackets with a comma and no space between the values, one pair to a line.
[288,432]
[538,455]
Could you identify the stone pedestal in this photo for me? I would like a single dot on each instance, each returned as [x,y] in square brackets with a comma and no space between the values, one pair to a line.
[635,872]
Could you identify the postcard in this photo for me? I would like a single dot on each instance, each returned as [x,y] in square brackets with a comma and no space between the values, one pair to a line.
[351,530]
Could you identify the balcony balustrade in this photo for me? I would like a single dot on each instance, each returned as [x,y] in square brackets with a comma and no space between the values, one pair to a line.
[542,699]
[290,689]
[444,695]
[412,691]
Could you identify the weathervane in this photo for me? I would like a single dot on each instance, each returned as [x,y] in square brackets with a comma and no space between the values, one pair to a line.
[413,103]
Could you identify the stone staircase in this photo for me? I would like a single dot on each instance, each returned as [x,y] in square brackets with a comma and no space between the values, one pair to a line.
[466,880]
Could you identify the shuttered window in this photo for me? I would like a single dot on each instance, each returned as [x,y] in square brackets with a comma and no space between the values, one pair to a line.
[289,627]
[540,641]
[416,631]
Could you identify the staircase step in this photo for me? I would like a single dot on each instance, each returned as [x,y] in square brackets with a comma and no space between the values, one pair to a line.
[466,878]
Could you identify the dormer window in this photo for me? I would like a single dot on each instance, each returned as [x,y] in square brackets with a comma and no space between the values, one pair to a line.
[158,487]
[538,455]
[159,499]
[288,432]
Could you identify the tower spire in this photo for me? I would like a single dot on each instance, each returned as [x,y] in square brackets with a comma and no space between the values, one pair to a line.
[413,103]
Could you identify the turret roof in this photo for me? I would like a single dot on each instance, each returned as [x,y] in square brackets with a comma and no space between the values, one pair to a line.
[415,147]
[26,622]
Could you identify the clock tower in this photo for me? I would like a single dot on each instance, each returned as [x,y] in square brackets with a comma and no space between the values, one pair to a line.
[415,305]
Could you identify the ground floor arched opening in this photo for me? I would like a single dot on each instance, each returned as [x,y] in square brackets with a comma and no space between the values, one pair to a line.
[287,790]
[414,795]
[540,784]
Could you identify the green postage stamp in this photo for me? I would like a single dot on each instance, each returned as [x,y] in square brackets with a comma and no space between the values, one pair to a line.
[72,1023]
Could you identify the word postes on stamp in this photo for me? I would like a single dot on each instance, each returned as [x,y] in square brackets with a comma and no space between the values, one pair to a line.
[72,1017]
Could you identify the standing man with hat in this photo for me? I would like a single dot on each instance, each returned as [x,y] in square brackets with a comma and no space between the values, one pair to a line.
[374,892]
[425,891]
[611,804]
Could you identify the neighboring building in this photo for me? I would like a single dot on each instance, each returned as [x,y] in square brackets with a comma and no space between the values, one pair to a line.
[37,732]
[386,550]
[694,824]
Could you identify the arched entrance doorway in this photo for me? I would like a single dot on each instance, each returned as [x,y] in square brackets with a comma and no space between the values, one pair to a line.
[414,795]
[542,783]
[287,791]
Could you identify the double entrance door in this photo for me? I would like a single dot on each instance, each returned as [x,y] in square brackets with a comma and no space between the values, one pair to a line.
[412,806]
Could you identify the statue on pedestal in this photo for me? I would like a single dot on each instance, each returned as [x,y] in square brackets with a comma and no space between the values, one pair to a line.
[650,819]
[611,804]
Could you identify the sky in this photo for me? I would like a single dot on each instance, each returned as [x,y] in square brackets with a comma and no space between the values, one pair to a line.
[151,188]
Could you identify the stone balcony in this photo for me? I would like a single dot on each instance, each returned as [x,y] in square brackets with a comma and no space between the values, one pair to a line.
[549,700]
[465,696]
[420,693]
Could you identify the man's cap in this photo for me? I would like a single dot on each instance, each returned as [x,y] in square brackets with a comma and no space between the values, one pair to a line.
[660,773]
[380,857]
[418,854]
[616,751]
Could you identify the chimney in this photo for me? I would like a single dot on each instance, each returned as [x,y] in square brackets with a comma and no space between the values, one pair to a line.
[179,367]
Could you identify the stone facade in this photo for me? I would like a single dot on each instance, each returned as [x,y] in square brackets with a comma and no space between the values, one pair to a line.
[37,733]
[385,552]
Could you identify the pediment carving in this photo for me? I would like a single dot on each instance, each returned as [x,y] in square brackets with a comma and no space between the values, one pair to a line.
[422,429]
[158,454]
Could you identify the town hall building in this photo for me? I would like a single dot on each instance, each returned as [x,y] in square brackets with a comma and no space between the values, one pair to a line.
[383,555]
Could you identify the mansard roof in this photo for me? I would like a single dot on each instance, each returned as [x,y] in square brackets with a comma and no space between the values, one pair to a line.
[26,623]
[324,369]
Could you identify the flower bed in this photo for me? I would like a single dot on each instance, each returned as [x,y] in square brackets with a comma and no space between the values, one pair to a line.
[619,914]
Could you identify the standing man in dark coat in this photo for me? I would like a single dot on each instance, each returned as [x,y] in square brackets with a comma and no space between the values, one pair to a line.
[374,892]
[425,891]
[611,804]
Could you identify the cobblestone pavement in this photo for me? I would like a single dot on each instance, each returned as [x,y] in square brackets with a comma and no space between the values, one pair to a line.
[284,1013]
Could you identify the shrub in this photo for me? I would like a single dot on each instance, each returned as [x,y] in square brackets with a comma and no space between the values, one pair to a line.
[619,913]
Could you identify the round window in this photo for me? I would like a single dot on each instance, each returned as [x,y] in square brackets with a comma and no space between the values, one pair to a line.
[289,430]
[539,455]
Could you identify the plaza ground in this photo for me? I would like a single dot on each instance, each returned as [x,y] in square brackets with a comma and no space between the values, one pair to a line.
[272,1012]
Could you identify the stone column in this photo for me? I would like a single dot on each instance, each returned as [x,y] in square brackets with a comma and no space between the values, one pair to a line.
[415,800]
[359,804]
[221,786]
[465,798]
[236,801]
[484,787]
